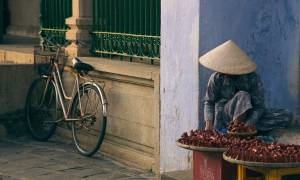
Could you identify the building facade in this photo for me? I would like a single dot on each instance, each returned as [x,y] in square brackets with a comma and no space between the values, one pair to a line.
[132,88]
[152,103]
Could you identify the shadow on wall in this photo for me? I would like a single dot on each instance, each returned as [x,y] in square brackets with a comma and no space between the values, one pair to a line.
[15,81]
[268,32]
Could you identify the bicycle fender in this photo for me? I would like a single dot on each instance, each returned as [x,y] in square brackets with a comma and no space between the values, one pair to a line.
[102,94]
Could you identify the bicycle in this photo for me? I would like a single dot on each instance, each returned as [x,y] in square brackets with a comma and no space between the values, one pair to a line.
[86,109]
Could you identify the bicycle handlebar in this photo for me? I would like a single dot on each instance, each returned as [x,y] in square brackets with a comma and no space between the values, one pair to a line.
[58,46]
[48,40]
[77,42]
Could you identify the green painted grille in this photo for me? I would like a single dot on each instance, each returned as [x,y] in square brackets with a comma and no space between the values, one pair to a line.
[53,16]
[129,28]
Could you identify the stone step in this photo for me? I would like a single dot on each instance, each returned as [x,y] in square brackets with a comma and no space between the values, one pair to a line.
[16,54]
[178,175]
[22,40]
[17,50]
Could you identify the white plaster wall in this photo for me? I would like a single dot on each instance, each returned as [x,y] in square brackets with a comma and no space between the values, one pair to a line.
[179,79]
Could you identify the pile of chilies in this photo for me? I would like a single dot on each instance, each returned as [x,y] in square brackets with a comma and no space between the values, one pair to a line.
[241,127]
[257,151]
[207,139]
[247,149]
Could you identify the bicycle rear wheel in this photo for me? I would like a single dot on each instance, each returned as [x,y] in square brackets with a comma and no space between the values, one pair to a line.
[89,131]
[41,109]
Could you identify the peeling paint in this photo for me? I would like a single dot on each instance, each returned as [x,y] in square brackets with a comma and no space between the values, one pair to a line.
[179,79]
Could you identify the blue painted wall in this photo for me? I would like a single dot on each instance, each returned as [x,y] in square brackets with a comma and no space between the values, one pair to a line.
[268,31]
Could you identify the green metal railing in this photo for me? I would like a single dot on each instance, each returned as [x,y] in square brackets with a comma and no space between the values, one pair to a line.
[129,28]
[53,16]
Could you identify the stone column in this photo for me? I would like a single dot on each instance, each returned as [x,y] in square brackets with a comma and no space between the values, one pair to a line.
[179,73]
[81,25]
[24,18]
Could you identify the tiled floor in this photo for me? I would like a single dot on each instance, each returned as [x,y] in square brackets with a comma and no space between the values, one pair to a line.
[23,158]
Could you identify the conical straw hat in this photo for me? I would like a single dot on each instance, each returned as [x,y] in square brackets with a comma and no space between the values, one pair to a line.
[228,58]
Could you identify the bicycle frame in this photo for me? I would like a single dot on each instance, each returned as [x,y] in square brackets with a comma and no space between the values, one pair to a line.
[81,106]
[62,95]
[56,79]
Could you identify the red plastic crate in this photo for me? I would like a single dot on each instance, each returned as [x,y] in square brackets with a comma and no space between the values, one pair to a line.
[211,166]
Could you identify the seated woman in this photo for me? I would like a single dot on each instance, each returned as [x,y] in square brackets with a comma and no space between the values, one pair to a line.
[235,92]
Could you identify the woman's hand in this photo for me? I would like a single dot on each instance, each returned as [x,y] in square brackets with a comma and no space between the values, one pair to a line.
[250,123]
[208,125]
[237,121]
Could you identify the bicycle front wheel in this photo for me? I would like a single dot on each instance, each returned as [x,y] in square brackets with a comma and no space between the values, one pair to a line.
[89,131]
[41,109]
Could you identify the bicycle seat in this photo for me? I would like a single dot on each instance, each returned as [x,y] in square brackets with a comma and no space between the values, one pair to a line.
[81,67]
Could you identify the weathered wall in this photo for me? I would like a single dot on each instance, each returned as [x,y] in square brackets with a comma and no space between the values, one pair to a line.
[15,81]
[24,17]
[179,79]
[132,92]
[268,31]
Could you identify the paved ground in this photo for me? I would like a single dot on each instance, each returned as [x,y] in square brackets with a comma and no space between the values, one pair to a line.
[23,158]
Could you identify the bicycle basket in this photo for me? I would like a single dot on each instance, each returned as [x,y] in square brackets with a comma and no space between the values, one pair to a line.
[43,60]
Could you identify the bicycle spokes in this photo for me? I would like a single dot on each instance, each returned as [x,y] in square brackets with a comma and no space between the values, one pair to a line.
[41,107]
[89,131]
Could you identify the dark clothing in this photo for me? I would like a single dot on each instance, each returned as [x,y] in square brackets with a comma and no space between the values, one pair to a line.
[228,97]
